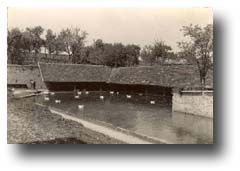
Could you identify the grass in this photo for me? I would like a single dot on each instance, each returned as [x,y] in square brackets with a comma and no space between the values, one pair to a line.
[32,124]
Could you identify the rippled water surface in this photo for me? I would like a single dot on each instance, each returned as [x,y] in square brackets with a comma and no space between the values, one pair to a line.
[138,115]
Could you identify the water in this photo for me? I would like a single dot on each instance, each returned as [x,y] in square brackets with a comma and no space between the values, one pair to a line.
[138,115]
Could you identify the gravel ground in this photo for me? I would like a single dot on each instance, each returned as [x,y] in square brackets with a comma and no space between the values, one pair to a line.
[32,124]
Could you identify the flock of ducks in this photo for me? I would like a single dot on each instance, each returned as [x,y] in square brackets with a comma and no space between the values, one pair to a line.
[81,107]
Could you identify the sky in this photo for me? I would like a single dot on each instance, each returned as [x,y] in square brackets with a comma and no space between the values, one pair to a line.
[141,26]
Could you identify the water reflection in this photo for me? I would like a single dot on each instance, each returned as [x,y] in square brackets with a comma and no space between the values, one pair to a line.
[138,115]
[195,125]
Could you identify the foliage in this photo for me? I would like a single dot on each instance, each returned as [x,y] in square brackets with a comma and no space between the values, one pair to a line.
[14,48]
[199,48]
[132,55]
[35,37]
[147,55]
[27,42]
[160,51]
[72,42]
[157,53]
[22,42]
[50,40]
[113,55]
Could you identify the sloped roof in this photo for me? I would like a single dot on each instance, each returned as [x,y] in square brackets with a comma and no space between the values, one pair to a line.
[22,74]
[163,75]
[186,76]
[74,72]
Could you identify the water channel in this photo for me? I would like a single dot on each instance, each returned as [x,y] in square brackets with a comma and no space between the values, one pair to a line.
[137,114]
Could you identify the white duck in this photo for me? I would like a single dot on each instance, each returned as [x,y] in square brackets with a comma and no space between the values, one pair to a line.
[152,102]
[80,106]
[57,101]
[46,98]
[128,96]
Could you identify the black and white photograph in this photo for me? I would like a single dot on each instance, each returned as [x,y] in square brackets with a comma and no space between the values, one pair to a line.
[110,75]
[118,85]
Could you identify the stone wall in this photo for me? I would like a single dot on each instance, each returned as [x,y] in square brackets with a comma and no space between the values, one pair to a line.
[200,104]
[22,74]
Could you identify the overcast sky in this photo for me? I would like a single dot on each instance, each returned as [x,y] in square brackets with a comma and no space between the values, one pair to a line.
[140,26]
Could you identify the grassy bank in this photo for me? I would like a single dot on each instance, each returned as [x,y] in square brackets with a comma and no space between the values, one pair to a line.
[32,124]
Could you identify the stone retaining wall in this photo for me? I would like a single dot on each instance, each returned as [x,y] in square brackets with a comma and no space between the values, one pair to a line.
[193,103]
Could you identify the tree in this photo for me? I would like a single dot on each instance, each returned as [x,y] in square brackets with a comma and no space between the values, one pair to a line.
[113,55]
[26,42]
[199,49]
[147,56]
[160,51]
[34,36]
[50,42]
[36,40]
[73,41]
[157,53]
[14,49]
[98,44]
[85,56]
[132,55]
[58,45]
[96,52]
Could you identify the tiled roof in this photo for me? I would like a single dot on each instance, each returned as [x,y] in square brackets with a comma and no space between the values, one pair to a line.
[165,75]
[22,74]
[186,76]
[74,72]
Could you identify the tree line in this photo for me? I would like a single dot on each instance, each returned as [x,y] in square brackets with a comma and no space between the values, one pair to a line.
[72,41]
[198,49]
